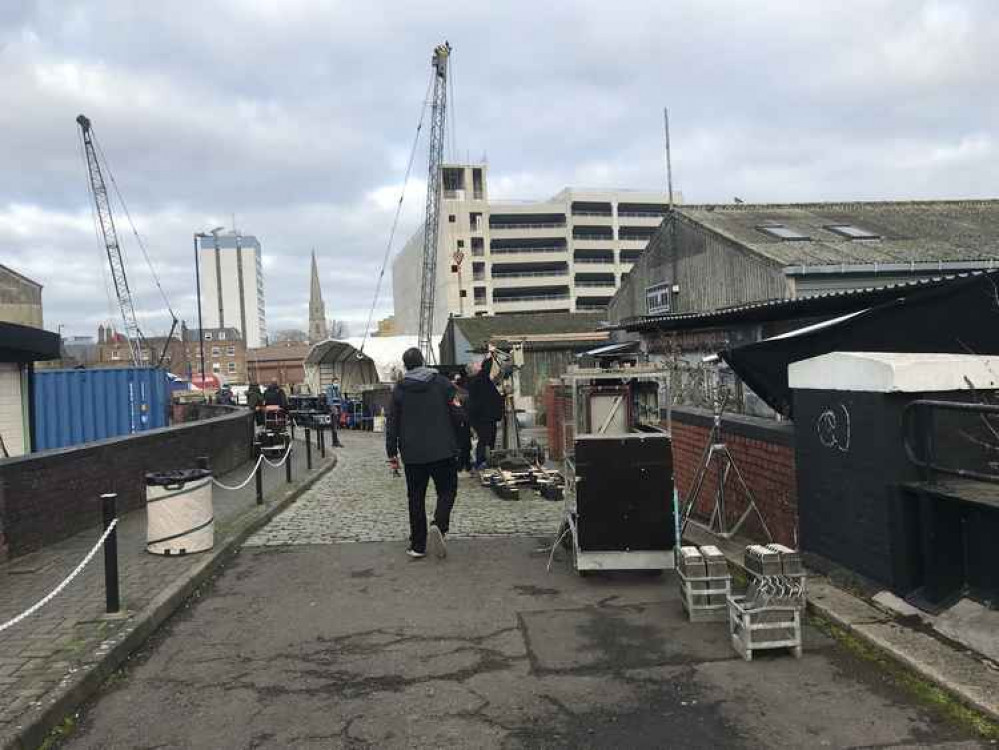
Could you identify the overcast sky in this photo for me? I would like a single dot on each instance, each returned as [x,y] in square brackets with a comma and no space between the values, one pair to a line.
[297,116]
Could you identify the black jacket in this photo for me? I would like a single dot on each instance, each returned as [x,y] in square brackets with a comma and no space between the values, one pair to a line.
[485,402]
[274,396]
[420,422]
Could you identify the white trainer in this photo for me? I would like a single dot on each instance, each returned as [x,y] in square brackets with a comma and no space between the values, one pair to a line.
[437,543]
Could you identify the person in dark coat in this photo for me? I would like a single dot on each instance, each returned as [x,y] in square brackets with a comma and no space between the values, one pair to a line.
[462,425]
[421,428]
[485,409]
[274,396]
[255,400]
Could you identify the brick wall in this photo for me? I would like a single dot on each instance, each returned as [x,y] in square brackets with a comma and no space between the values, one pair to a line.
[763,451]
[51,495]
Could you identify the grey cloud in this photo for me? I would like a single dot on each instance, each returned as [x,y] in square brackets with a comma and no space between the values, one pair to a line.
[298,117]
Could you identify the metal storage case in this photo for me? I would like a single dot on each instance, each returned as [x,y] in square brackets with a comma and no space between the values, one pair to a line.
[81,406]
[179,514]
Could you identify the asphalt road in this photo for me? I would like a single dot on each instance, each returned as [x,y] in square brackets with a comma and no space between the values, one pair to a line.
[352,645]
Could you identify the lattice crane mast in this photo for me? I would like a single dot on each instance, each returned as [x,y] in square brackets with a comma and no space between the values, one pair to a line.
[431,227]
[105,221]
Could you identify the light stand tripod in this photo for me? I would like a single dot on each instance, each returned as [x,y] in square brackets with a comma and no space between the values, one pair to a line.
[716,450]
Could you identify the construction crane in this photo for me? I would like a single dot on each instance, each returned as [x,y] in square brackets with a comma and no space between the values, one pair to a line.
[105,221]
[431,227]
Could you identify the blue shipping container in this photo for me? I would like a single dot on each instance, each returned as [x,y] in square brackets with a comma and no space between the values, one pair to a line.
[80,406]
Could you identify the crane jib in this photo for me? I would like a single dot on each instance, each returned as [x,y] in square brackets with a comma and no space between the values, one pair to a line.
[431,227]
[105,221]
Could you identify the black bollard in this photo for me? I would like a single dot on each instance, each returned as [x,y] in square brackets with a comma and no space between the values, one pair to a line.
[287,463]
[308,449]
[259,477]
[109,512]
[321,438]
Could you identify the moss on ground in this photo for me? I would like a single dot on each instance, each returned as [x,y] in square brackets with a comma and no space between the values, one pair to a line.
[923,690]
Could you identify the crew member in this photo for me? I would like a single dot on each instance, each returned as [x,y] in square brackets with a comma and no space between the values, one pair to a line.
[485,407]
[421,427]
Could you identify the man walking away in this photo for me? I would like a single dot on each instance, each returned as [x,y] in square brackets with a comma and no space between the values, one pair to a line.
[485,409]
[420,427]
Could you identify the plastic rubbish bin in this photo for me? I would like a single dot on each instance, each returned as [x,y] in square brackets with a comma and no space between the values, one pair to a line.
[180,517]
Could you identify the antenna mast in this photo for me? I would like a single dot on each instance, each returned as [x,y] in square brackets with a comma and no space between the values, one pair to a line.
[669,165]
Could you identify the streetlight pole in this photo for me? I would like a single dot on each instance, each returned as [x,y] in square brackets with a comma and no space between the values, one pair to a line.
[197,277]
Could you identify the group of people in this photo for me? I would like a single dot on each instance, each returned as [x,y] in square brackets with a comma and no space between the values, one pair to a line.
[430,425]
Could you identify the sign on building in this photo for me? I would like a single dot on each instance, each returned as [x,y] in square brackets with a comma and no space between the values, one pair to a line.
[657,299]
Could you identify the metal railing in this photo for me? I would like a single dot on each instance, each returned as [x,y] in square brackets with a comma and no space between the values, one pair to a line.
[541,225]
[511,250]
[596,283]
[593,260]
[917,422]
[640,214]
[528,274]
[605,214]
[530,298]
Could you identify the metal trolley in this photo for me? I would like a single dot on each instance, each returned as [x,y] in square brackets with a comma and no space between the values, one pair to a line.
[609,408]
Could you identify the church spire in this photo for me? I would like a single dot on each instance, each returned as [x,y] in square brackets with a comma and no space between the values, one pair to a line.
[317,310]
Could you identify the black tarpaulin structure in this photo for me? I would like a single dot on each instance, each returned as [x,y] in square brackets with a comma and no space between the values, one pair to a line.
[959,316]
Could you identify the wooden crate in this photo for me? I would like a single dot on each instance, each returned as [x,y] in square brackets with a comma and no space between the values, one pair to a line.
[704,598]
[764,628]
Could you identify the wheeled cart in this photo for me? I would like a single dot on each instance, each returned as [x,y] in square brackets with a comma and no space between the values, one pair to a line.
[618,509]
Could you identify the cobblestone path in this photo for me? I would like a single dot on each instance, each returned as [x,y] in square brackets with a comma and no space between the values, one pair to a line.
[361,501]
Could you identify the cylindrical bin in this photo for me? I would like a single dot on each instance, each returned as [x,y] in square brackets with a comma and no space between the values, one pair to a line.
[179,512]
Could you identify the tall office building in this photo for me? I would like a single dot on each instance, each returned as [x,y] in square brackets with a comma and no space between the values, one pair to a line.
[232,285]
[564,254]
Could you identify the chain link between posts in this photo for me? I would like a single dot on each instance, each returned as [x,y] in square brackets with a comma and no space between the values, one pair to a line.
[100,542]
[69,579]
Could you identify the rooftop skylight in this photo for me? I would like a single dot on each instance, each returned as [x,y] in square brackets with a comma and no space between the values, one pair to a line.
[781,232]
[853,232]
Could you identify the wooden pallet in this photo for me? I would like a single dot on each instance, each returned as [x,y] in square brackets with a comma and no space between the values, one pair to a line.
[764,628]
[705,598]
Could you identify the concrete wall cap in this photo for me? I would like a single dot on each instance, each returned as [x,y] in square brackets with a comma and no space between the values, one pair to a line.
[895,372]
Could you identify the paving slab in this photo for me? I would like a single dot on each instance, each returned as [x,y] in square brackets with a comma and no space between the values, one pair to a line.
[52,660]
[353,645]
[965,674]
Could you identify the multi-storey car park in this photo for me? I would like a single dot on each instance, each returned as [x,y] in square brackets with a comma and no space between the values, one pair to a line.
[565,254]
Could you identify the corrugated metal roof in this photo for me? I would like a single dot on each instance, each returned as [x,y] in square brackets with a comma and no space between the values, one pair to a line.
[907,231]
[776,309]
[484,328]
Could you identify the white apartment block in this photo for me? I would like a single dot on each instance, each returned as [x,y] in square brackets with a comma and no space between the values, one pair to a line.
[564,254]
[232,285]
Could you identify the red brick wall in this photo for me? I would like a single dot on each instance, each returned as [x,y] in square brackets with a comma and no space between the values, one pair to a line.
[48,496]
[763,451]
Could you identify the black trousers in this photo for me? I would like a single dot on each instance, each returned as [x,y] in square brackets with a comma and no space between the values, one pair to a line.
[418,476]
[487,439]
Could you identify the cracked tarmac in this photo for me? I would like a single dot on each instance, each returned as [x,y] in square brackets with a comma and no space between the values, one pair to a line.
[355,646]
